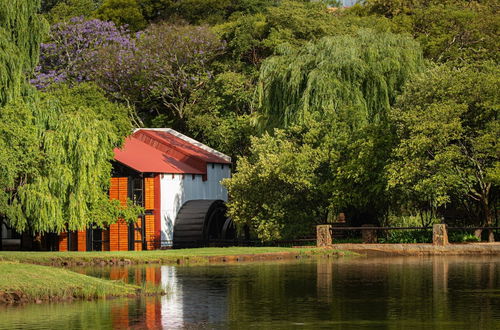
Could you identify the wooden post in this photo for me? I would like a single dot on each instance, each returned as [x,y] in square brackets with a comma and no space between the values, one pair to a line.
[324,235]
[1,233]
[439,234]
[369,235]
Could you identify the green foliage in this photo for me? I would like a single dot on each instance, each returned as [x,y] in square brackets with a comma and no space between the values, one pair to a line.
[68,136]
[421,219]
[21,31]
[122,12]
[254,37]
[328,78]
[221,118]
[67,9]
[447,122]
[274,190]
[461,237]
[407,237]
[201,11]
[359,76]
[448,30]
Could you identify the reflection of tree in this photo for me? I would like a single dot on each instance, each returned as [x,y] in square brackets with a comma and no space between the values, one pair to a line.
[396,292]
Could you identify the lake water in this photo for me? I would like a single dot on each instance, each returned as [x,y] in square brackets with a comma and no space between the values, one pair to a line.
[350,293]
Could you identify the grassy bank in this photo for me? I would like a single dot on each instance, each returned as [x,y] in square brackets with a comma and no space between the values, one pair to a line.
[21,283]
[201,255]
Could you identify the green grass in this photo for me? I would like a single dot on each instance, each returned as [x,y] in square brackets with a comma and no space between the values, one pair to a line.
[201,255]
[33,282]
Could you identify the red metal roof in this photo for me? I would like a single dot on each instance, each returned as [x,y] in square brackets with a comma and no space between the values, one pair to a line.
[160,151]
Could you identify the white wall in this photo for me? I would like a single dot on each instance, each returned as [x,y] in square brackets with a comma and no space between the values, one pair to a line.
[176,190]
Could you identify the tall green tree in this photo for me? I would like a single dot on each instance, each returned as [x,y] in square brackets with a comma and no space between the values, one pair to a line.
[55,147]
[65,138]
[448,154]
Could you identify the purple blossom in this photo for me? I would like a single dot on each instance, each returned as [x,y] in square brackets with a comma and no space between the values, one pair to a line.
[162,66]
[71,52]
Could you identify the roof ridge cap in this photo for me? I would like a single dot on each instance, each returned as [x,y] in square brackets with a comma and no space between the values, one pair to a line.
[190,140]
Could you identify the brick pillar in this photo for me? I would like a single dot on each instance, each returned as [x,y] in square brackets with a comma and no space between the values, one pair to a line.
[439,234]
[324,235]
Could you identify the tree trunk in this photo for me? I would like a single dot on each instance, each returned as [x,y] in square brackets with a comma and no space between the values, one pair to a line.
[488,218]
[1,233]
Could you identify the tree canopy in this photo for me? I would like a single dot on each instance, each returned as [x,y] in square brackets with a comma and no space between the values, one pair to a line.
[66,137]
[448,153]
[364,73]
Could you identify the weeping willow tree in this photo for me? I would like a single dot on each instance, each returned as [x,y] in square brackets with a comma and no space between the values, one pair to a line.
[65,179]
[363,73]
[56,147]
[21,32]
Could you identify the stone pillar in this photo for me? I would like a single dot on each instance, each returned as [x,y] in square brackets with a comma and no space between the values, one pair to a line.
[369,235]
[324,235]
[439,234]
[478,233]
[491,236]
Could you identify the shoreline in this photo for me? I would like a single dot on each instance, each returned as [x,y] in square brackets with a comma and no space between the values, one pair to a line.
[170,257]
[420,249]
[243,254]
[27,283]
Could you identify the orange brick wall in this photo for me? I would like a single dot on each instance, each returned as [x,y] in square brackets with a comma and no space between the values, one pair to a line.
[63,242]
[118,231]
[82,240]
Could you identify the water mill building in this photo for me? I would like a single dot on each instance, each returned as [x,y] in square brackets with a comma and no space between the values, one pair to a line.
[178,182]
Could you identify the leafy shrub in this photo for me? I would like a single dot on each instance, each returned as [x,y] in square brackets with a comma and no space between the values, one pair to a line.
[460,237]
[407,236]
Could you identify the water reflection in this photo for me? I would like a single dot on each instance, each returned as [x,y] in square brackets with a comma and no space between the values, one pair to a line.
[372,293]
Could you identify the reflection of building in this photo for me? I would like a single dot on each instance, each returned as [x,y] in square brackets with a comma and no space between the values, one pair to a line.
[178,182]
[193,300]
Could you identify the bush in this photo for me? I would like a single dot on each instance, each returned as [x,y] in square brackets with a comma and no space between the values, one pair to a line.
[407,236]
[461,237]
